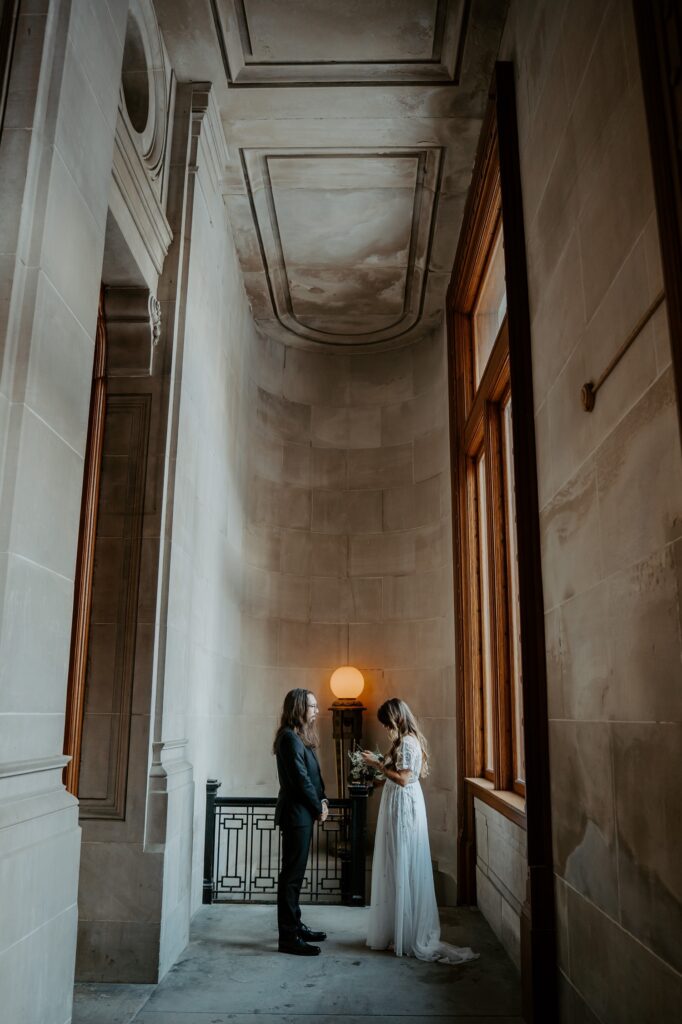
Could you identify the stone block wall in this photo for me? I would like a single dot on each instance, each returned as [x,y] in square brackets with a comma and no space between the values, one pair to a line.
[611,508]
[348,552]
[202,673]
[501,868]
[55,156]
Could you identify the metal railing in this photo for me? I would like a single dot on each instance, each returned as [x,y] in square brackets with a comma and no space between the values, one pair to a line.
[242,851]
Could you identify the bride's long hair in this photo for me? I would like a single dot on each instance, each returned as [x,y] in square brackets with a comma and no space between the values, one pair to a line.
[396,716]
[294,716]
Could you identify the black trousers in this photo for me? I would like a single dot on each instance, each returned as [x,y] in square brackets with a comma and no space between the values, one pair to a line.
[295,848]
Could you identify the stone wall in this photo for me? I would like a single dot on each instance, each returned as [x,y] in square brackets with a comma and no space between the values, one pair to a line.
[611,508]
[348,552]
[501,868]
[55,159]
[202,679]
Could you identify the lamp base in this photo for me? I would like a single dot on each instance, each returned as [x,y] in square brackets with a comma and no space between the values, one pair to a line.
[346,730]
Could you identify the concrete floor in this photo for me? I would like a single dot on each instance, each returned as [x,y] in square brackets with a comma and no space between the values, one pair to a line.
[231,972]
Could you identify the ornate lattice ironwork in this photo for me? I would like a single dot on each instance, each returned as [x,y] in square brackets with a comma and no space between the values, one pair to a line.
[243,851]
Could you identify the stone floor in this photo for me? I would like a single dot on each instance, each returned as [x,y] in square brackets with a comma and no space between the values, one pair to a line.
[231,972]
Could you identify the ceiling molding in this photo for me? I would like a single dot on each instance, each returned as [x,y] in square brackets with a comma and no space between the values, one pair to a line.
[351,129]
[239,41]
[275,299]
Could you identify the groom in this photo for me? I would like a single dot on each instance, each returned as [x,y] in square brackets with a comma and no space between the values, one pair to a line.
[300,803]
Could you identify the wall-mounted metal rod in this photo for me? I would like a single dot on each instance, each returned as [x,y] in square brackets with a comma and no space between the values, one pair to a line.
[588,392]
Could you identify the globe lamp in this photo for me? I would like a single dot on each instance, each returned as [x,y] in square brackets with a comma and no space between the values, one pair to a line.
[347,683]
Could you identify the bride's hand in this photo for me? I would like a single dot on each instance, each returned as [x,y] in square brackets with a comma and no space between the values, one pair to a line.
[369,758]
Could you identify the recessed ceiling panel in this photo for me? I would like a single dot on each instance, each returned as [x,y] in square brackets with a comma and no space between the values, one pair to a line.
[351,129]
[267,42]
[324,31]
[344,239]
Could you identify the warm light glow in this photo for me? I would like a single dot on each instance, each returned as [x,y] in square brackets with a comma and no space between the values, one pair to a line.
[347,683]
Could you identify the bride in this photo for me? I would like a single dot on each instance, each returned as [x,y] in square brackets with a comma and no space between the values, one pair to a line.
[403,913]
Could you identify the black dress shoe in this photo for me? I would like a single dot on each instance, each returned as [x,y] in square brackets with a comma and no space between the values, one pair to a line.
[298,947]
[309,935]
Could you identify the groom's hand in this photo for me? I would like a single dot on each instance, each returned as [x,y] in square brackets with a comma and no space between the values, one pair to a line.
[325,811]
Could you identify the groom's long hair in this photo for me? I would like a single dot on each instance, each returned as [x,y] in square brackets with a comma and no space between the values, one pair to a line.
[395,714]
[294,715]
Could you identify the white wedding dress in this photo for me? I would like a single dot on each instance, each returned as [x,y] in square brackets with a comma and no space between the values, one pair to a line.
[403,912]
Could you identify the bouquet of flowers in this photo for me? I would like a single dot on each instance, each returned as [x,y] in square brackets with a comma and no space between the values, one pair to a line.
[361,773]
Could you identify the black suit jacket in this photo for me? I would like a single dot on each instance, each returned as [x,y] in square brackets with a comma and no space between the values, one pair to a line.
[301,787]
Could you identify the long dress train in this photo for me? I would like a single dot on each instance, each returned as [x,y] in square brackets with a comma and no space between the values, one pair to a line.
[403,911]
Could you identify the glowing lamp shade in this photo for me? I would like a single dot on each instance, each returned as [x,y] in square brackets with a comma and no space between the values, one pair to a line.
[347,683]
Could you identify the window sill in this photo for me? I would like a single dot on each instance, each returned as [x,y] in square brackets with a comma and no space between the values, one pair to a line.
[509,804]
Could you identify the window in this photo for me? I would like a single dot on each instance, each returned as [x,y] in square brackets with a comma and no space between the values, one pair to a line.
[488,577]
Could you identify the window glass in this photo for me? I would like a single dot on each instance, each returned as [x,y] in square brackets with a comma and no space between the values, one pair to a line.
[514,616]
[490,308]
[486,667]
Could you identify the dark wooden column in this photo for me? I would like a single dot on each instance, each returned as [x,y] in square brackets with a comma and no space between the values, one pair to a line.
[538,935]
[659,38]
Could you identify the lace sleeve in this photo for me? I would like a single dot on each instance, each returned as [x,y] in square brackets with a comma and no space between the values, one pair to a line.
[408,755]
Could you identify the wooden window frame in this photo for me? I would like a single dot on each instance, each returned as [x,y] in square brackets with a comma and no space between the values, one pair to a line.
[85,559]
[478,429]
[496,189]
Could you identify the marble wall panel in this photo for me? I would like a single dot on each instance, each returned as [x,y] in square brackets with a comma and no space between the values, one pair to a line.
[649,871]
[52,945]
[431,454]
[347,512]
[273,504]
[349,600]
[569,527]
[311,645]
[329,468]
[621,167]
[138,900]
[71,231]
[314,553]
[33,595]
[47,498]
[315,379]
[281,418]
[380,467]
[137,951]
[617,975]
[297,465]
[262,546]
[586,652]
[583,815]
[417,596]
[385,378]
[382,555]
[433,546]
[558,320]
[407,421]
[346,427]
[501,866]
[412,505]
[644,618]
[628,469]
[13,160]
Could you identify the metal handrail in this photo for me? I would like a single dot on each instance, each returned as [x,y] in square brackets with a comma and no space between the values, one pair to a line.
[588,392]
[337,866]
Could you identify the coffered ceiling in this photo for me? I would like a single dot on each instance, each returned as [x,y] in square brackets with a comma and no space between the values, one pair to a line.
[351,127]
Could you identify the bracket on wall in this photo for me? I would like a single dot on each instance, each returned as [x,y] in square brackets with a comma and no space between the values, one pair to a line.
[588,392]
